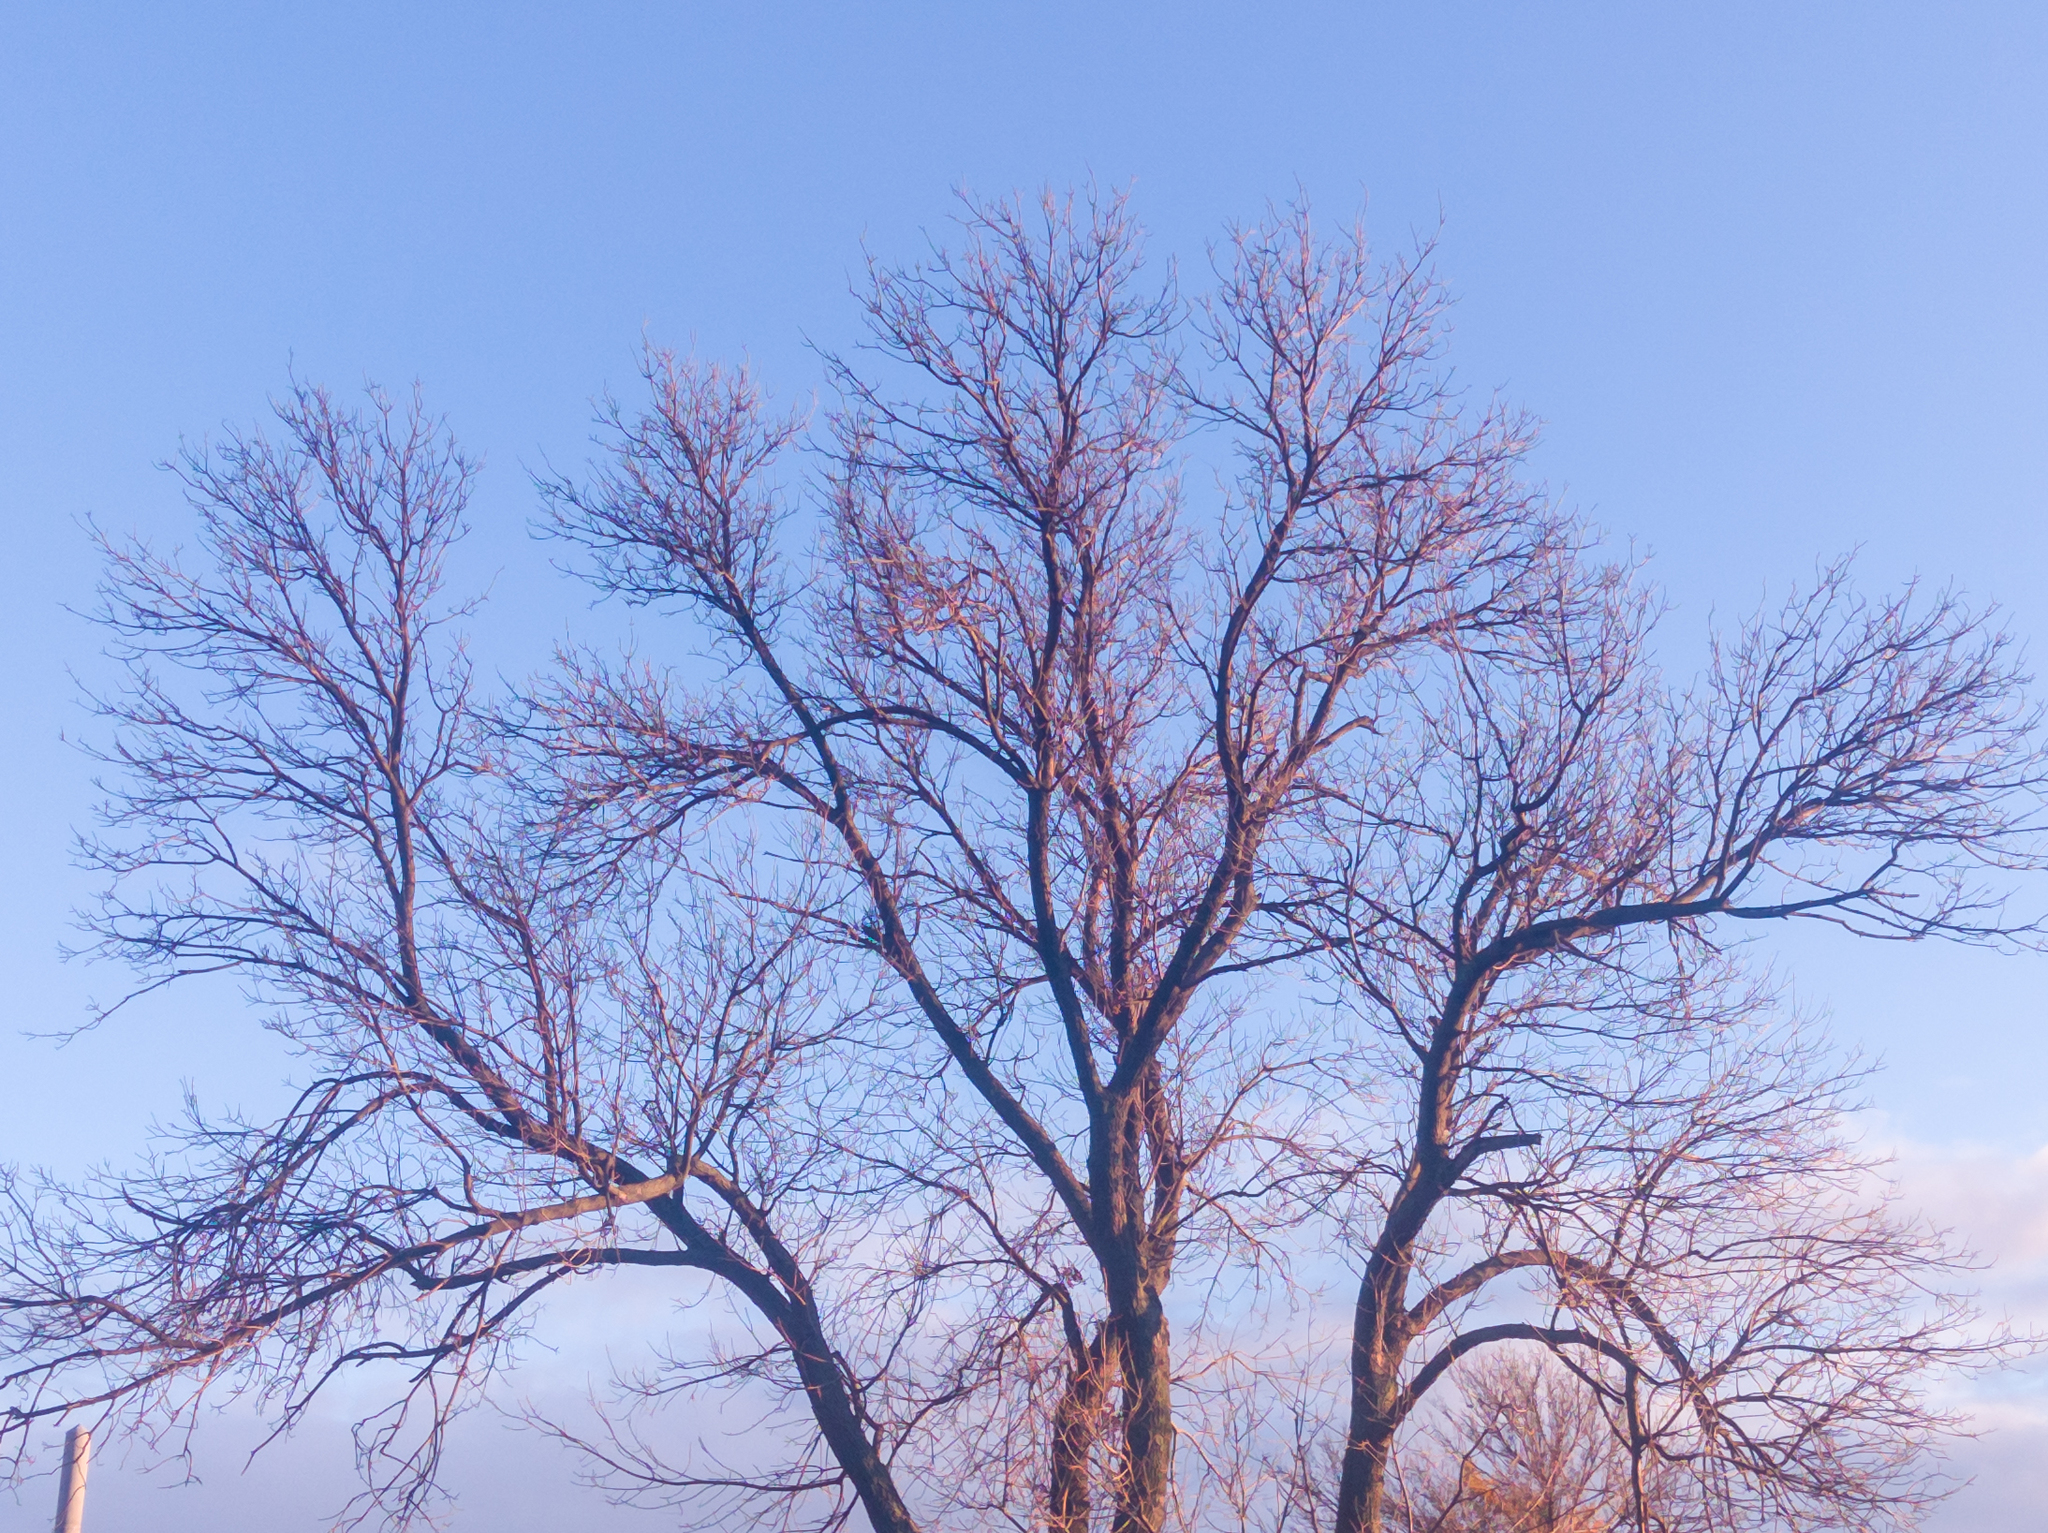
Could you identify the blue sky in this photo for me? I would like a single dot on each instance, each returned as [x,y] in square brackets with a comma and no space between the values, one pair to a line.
[1773,276]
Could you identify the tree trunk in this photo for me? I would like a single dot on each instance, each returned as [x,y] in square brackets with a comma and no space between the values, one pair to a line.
[1075,1421]
[1148,1418]
[1379,1341]
[845,1434]
[1362,1492]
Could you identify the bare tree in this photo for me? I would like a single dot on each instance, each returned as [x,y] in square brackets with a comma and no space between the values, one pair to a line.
[1596,1112]
[521,1071]
[1525,1449]
[1050,730]
[1053,896]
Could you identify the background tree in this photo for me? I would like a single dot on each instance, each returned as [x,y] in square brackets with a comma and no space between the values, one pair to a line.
[1524,1449]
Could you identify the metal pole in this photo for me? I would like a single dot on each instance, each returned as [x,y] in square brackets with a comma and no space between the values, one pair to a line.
[71,1491]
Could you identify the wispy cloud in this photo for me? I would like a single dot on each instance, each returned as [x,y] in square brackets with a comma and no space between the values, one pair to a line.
[1996,1202]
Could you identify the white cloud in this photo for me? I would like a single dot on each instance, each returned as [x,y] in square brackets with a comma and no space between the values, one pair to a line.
[1996,1202]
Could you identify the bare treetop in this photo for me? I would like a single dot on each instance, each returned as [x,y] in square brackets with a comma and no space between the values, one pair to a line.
[1161,811]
